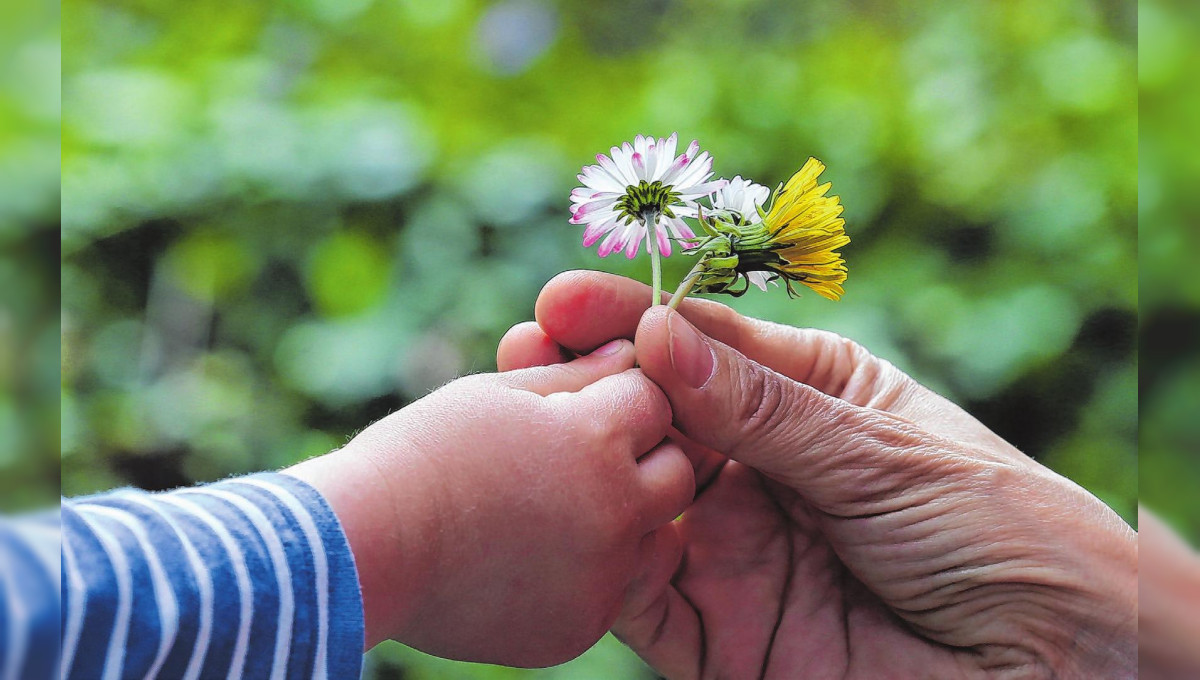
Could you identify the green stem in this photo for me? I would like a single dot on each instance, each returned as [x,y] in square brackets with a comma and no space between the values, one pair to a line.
[655,259]
[685,286]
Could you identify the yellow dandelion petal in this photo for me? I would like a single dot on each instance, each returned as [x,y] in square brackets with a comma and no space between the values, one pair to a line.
[806,228]
[796,241]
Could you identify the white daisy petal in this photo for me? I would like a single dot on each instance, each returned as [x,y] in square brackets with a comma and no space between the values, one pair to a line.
[688,209]
[743,197]
[667,152]
[596,178]
[760,279]
[612,170]
[657,160]
[703,189]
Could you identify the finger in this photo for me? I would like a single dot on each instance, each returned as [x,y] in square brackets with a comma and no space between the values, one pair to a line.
[573,376]
[656,622]
[526,345]
[834,453]
[659,555]
[628,409]
[582,309]
[706,463]
[667,484]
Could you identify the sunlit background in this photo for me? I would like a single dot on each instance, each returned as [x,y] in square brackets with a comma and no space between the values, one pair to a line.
[283,221]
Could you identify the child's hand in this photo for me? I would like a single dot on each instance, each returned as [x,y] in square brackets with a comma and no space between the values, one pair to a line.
[500,519]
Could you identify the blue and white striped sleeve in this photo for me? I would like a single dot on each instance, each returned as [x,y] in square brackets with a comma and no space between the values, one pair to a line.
[250,577]
[29,562]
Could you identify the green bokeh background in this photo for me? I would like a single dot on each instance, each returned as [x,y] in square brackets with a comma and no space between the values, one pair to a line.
[1169,217]
[281,221]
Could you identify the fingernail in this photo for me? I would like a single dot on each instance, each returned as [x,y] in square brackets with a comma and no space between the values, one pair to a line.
[610,348]
[691,355]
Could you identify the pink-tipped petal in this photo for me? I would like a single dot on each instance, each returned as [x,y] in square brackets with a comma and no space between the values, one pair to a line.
[584,209]
[676,168]
[699,170]
[639,165]
[632,248]
[585,194]
[664,243]
[595,230]
[589,195]
[610,244]
[682,230]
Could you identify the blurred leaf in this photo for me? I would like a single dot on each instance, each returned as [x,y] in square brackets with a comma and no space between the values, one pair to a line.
[348,273]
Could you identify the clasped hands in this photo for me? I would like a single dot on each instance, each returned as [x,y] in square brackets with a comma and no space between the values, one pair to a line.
[751,501]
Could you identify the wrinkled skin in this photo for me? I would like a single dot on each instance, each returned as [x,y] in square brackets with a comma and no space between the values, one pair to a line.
[849,522]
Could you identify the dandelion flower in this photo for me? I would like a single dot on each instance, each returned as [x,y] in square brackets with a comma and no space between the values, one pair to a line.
[795,239]
[642,184]
[806,230]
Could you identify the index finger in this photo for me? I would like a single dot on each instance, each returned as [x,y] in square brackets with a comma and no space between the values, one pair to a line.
[580,310]
[583,309]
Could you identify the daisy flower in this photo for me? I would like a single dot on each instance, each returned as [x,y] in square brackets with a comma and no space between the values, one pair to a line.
[642,184]
[739,201]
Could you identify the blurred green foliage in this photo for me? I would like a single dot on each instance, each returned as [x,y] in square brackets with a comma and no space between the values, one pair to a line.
[29,197]
[1169,212]
[281,221]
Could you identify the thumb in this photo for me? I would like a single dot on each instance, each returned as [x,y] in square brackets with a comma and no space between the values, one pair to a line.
[572,376]
[841,457]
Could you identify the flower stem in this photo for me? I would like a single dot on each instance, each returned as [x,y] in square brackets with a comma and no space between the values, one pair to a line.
[685,286]
[655,259]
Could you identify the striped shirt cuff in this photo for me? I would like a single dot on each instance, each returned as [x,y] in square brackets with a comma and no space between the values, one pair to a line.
[250,577]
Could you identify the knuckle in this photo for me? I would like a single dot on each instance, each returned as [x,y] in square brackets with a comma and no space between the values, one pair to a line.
[653,400]
[592,429]
[641,403]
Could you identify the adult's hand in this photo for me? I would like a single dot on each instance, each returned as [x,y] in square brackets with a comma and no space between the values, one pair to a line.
[1168,602]
[850,522]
